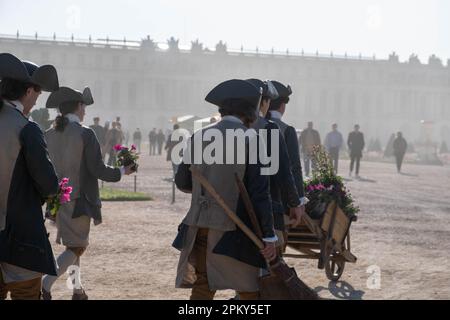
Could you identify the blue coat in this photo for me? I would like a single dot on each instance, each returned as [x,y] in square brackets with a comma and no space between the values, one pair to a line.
[24,239]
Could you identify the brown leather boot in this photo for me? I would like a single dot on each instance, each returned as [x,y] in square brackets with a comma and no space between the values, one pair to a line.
[80,296]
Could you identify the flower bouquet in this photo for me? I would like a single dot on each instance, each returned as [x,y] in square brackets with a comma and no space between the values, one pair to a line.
[127,156]
[63,196]
[325,186]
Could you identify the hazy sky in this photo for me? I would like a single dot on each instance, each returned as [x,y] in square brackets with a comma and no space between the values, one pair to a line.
[353,26]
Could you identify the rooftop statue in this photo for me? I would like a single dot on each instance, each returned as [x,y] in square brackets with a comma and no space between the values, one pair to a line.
[221,47]
[196,46]
[173,44]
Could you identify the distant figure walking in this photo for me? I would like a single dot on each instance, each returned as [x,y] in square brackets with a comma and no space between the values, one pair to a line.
[356,146]
[169,147]
[389,151]
[137,139]
[333,144]
[400,146]
[160,139]
[152,139]
[309,139]
[114,137]
[100,132]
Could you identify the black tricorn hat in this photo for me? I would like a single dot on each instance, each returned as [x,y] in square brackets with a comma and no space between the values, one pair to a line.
[45,76]
[269,90]
[65,94]
[283,91]
[235,90]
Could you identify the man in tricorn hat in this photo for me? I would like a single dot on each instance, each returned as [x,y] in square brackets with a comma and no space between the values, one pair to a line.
[276,112]
[281,182]
[27,177]
[215,254]
[75,152]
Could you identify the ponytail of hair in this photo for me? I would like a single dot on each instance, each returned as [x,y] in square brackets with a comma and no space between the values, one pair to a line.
[61,123]
[65,108]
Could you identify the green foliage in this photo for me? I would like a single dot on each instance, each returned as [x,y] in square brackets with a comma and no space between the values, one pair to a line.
[110,194]
[41,117]
[325,186]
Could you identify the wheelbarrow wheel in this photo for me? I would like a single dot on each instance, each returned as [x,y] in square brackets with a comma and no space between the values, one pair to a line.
[334,268]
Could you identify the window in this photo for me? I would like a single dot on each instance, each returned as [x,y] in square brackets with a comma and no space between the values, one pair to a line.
[115,94]
[81,60]
[352,104]
[337,103]
[132,94]
[116,62]
[133,62]
[323,102]
[45,57]
[97,92]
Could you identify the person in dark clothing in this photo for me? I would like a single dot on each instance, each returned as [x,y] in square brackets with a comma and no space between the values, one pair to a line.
[215,254]
[137,139]
[152,137]
[356,146]
[169,147]
[100,132]
[113,138]
[333,143]
[282,182]
[27,178]
[160,139]
[400,146]
[75,152]
[309,140]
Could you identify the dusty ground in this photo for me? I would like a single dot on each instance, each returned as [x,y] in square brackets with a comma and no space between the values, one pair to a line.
[403,228]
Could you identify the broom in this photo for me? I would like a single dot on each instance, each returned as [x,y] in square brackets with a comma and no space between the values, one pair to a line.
[298,289]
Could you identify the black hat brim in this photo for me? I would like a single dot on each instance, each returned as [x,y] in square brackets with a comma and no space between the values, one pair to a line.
[46,77]
[284,92]
[269,90]
[65,94]
[234,90]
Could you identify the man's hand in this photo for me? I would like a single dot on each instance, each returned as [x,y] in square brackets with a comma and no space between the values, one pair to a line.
[296,215]
[270,251]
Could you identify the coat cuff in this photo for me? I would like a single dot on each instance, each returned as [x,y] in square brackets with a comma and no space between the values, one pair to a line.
[271,240]
[304,201]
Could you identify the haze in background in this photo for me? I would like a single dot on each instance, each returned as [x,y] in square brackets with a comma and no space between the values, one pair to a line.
[354,26]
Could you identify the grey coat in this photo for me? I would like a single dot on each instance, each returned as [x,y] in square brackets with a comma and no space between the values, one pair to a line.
[76,154]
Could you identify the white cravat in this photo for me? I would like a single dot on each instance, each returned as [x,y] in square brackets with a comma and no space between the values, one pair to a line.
[16,104]
[72,118]
[276,115]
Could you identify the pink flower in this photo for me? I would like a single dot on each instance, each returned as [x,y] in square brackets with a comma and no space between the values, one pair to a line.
[133,148]
[118,147]
[310,188]
[68,190]
[65,198]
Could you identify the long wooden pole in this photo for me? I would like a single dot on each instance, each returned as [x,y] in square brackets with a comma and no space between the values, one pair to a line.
[208,187]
